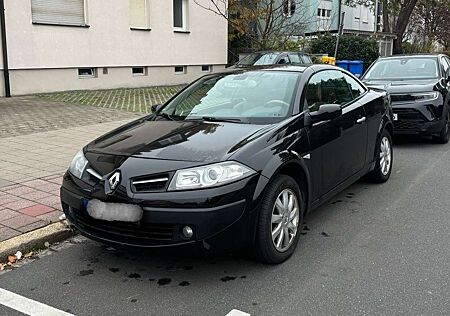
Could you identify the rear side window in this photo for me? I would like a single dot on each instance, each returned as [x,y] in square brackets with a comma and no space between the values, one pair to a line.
[355,87]
[307,59]
[327,87]
[295,58]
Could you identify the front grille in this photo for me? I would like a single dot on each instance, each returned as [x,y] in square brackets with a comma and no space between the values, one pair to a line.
[409,119]
[402,98]
[134,233]
[153,183]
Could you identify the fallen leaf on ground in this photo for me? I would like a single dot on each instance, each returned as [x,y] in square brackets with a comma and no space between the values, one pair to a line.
[12,259]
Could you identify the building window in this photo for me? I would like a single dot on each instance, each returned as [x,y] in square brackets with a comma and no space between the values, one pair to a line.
[58,12]
[288,8]
[323,13]
[139,71]
[180,14]
[206,68]
[87,72]
[139,14]
[180,70]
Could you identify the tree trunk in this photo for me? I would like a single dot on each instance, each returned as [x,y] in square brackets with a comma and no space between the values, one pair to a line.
[402,23]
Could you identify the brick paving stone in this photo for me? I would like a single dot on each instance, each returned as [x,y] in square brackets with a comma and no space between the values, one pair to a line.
[19,204]
[19,221]
[50,187]
[4,183]
[36,195]
[7,233]
[7,214]
[32,226]
[50,200]
[51,217]
[36,183]
[7,199]
[20,191]
[36,210]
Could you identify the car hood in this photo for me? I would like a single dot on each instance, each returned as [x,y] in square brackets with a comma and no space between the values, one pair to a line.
[403,86]
[195,141]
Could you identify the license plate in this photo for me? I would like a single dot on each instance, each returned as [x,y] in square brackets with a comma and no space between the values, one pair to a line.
[395,117]
[114,211]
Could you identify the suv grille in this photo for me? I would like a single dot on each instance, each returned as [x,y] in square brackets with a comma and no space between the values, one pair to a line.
[408,119]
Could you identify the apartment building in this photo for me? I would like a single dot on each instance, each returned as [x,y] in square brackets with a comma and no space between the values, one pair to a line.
[56,45]
[359,19]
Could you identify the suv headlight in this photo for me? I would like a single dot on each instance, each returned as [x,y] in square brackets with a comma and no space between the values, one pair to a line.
[426,96]
[78,164]
[209,176]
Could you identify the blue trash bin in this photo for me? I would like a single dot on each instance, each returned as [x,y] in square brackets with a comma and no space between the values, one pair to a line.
[344,64]
[356,67]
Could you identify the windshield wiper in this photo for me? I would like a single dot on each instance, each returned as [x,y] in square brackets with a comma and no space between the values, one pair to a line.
[165,115]
[217,119]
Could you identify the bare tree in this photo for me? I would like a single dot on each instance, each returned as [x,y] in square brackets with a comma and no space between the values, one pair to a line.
[269,24]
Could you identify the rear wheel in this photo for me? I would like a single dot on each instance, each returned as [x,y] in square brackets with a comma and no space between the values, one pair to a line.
[444,136]
[383,164]
[280,221]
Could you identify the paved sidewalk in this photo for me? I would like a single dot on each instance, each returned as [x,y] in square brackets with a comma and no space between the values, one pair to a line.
[32,163]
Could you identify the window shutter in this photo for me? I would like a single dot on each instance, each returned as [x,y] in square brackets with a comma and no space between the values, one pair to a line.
[138,16]
[64,12]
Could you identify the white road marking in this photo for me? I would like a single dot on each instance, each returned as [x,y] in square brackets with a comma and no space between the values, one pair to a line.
[28,306]
[236,312]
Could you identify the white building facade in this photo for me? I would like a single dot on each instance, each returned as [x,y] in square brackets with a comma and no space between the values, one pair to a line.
[57,45]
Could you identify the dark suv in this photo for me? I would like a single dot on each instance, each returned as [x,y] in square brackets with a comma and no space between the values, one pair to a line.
[418,85]
[273,58]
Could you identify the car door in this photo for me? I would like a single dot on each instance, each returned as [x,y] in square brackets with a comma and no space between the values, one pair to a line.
[338,146]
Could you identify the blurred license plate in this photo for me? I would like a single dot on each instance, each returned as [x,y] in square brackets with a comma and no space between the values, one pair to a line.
[395,117]
[114,211]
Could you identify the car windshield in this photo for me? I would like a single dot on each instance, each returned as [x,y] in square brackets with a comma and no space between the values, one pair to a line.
[403,68]
[255,97]
[258,59]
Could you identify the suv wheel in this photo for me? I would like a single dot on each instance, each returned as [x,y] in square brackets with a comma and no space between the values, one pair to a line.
[280,220]
[444,136]
[385,156]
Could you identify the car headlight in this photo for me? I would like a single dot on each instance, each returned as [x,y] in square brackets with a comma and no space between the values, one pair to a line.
[427,96]
[78,164]
[209,176]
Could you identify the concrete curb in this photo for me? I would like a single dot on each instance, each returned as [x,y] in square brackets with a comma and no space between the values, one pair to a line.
[35,239]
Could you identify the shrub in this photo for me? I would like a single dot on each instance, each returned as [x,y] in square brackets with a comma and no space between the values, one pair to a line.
[350,48]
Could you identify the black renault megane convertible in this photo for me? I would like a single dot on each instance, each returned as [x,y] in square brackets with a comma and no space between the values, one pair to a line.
[236,159]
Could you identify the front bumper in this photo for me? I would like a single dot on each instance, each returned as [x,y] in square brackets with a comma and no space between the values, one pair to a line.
[215,215]
[416,118]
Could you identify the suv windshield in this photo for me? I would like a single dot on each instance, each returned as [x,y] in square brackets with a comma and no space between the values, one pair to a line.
[258,59]
[256,97]
[403,68]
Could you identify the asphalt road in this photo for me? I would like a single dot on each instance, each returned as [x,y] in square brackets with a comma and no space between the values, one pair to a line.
[373,250]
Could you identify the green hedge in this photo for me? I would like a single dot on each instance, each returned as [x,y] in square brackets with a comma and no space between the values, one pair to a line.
[350,48]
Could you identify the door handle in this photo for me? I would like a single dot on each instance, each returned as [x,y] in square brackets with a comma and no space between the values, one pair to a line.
[361,120]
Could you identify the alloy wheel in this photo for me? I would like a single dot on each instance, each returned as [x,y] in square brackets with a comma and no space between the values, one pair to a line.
[285,220]
[385,155]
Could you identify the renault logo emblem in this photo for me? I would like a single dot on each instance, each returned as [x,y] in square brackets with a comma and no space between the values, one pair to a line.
[114,180]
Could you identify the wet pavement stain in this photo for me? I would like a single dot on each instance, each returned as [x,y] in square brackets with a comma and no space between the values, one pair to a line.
[227,278]
[133,300]
[325,234]
[184,283]
[243,276]
[254,303]
[306,228]
[86,272]
[65,283]
[114,270]
[134,276]
[164,281]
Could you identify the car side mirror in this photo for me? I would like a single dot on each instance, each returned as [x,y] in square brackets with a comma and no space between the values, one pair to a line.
[325,112]
[155,107]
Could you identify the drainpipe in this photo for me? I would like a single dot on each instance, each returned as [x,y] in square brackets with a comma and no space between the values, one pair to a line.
[5,49]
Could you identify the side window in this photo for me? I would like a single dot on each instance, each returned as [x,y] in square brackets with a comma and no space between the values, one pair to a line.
[445,64]
[355,86]
[307,59]
[295,58]
[327,87]
[284,60]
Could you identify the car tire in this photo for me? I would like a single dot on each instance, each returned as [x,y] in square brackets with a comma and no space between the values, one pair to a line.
[383,167]
[444,136]
[274,213]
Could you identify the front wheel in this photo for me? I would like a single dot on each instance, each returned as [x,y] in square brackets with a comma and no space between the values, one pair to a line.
[385,156]
[444,136]
[280,220]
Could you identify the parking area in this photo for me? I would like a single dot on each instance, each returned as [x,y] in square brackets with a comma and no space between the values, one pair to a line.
[38,139]
[373,249]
